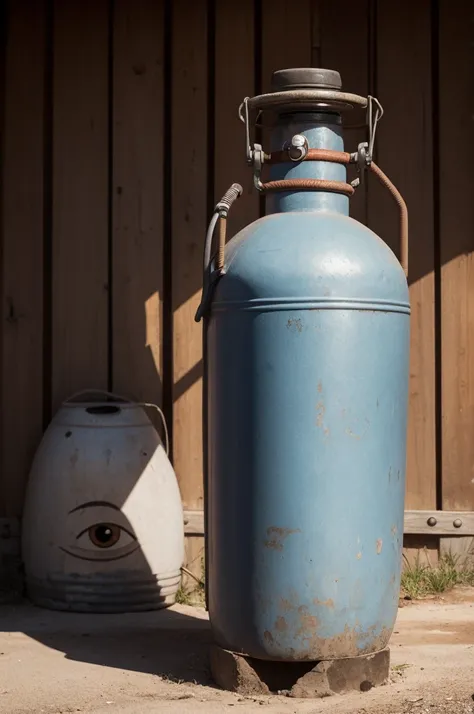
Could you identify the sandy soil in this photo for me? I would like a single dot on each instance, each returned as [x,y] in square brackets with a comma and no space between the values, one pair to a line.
[55,663]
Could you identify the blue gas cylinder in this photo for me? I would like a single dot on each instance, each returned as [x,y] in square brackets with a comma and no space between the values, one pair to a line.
[307,348]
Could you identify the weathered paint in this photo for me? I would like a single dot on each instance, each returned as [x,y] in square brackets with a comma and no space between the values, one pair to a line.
[307,349]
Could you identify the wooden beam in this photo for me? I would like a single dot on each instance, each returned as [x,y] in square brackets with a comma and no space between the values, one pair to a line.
[194,523]
[452,523]
[416,522]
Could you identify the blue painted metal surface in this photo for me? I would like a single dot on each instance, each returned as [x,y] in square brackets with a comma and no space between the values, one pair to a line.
[307,378]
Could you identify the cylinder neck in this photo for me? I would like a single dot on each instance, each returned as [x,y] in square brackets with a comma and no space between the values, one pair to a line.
[323,131]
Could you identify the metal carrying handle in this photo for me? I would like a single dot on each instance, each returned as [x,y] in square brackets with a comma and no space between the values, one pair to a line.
[120,398]
[322,98]
[397,196]
[102,392]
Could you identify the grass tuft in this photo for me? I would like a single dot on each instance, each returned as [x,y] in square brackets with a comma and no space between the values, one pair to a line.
[420,581]
[183,597]
[196,595]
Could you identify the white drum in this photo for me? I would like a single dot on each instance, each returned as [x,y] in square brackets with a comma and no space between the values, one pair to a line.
[103,519]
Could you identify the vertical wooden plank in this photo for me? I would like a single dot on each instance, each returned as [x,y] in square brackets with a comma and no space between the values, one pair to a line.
[22,269]
[189,219]
[80,197]
[137,247]
[420,550]
[194,557]
[456,153]
[286,36]
[348,53]
[234,80]
[316,19]
[283,48]
[405,153]
[3,63]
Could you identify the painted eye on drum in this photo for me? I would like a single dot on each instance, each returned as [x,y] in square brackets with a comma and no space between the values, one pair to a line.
[99,532]
[105,535]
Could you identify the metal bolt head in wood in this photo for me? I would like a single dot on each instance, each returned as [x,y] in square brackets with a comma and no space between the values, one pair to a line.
[457,523]
[432,521]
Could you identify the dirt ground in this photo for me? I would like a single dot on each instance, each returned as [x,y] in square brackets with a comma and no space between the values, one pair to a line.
[55,663]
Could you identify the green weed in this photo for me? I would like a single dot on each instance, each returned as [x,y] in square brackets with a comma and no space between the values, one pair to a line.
[422,580]
[193,595]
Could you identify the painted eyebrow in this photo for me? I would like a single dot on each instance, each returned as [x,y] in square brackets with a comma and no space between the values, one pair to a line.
[91,504]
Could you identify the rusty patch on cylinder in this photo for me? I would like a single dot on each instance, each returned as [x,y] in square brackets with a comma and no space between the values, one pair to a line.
[276,535]
[282,532]
[320,387]
[378,545]
[295,324]
[320,412]
[352,434]
[286,604]
[268,636]
[273,544]
[307,623]
[359,555]
[352,642]
[325,603]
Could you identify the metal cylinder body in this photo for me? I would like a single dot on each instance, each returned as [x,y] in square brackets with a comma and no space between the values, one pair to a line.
[307,381]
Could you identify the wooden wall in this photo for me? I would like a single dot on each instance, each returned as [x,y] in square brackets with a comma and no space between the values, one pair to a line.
[119,132]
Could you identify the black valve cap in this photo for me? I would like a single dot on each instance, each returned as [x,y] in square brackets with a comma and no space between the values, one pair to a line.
[284,80]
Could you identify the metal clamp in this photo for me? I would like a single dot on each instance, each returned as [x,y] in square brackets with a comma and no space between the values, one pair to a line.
[308,98]
[362,159]
[257,162]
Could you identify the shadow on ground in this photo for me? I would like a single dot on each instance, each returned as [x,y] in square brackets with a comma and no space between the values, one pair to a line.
[171,643]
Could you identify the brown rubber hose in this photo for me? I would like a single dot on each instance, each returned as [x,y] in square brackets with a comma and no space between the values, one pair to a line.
[397,196]
[335,157]
[309,185]
[221,243]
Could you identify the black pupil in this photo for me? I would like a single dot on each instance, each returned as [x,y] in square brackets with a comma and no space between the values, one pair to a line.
[103,534]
